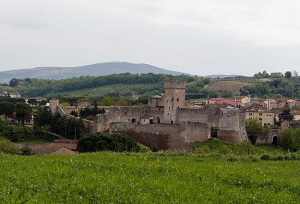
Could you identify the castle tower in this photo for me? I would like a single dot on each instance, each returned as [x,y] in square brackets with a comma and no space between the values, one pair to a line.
[174,98]
[53,104]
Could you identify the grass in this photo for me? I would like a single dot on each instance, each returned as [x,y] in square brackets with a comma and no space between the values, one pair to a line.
[147,178]
[214,145]
[33,142]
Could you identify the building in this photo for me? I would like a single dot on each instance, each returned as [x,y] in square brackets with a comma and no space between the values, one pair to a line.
[242,100]
[222,102]
[265,117]
[276,74]
[167,123]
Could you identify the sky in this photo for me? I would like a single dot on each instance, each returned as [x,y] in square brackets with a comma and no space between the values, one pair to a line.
[199,37]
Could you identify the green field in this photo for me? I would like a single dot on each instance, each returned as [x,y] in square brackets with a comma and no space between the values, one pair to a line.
[147,178]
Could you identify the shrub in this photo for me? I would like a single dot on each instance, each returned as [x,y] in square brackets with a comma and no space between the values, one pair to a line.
[224,149]
[27,151]
[202,150]
[102,145]
[103,141]
[266,157]
[233,158]
[144,149]
[7,147]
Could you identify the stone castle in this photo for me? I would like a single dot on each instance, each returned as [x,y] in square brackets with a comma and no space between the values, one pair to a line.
[168,123]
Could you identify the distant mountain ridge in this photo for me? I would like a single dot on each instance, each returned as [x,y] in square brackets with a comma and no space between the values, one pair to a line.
[98,69]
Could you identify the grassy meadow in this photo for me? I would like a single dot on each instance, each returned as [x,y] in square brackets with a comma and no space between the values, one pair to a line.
[147,178]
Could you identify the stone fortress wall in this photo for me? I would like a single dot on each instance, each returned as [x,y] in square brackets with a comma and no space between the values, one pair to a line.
[167,124]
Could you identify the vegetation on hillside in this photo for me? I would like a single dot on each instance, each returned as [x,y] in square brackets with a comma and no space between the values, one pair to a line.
[117,85]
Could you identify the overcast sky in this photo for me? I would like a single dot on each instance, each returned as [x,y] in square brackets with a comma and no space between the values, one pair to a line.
[194,36]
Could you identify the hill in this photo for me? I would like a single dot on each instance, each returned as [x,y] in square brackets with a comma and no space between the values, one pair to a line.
[99,69]
[231,86]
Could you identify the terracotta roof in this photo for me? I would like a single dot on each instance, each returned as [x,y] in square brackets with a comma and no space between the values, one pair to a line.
[240,97]
[295,112]
[224,101]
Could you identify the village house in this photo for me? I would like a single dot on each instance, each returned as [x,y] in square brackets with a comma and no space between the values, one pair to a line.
[221,101]
[265,117]
[276,74]
[242,100]
[23,119]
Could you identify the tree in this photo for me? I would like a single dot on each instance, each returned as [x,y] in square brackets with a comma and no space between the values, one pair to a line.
[6,108]
[285,115]
[277,96]
[14,82]
[296,139]
[288,74]
[254,129]
[286,139]
[43,116]
[295,73]
[22,108]
[32,102]
[108,101]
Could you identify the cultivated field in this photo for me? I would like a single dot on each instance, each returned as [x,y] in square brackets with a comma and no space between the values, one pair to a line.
[147,178]
[232,86]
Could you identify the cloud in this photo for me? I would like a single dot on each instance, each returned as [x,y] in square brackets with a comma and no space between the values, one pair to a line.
[168,33]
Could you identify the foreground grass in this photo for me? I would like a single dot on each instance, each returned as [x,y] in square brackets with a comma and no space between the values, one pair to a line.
[147,178]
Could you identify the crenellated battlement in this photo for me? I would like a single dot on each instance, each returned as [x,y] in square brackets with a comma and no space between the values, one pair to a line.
[172,83]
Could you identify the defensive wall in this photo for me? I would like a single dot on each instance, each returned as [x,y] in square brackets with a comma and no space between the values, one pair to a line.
[270,137]
[164,136]
[90,126]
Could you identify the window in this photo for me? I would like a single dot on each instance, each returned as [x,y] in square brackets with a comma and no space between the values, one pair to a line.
[167,101]
[250,113]
[260,119]
[177,99]
[260,114]
[172,99]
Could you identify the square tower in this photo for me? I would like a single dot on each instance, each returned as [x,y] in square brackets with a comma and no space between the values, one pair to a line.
[174,98]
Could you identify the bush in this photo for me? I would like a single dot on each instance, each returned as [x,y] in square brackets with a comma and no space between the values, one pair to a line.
[27,151]
[224,149]
[144,149]
[233,158]
[102,145]
[7,147]
[202,150]
[103,141]
[266,157]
